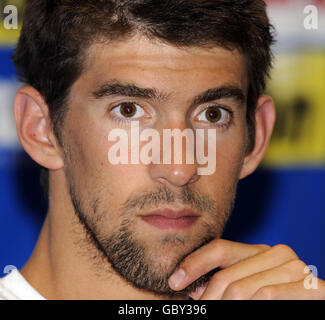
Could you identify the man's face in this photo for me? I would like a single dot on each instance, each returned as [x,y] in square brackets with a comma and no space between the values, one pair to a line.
[110,199]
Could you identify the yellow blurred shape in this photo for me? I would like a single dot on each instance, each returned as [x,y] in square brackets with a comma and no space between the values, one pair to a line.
[298,89]
[8,37]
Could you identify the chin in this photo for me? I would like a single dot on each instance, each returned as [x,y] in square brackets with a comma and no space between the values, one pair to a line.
[167,257]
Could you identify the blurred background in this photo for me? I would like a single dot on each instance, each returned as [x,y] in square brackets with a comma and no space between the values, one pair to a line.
[282,202]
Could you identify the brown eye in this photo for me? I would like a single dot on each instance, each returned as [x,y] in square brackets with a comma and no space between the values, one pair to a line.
[213,114]
[128,109]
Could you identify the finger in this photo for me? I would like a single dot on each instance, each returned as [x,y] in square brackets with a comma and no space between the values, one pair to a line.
[217,253]
[292,291]
[198,292]
[263,261]
[244,289]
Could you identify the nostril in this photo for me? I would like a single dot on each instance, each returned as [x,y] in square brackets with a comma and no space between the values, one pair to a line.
[162,180]
[194,178]
[174,175]
[182,178]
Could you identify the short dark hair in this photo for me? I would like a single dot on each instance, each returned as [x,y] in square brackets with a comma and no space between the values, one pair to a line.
[56,33]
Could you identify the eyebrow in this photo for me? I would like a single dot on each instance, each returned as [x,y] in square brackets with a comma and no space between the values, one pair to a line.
[223,92]
[131,90]
[128,90]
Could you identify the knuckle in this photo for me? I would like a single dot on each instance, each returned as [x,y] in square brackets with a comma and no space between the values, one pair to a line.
[267,293]
[218,244]
[223,257]
[218,241]
[284,249]
[235,290]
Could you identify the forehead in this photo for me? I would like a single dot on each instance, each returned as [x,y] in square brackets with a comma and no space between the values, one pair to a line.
[149,62]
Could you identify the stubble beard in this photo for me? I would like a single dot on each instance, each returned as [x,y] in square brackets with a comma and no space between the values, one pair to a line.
[130,258]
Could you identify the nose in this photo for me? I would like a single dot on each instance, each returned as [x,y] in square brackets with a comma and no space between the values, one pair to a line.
[176,173]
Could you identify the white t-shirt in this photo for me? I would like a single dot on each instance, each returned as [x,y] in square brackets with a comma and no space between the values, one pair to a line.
[15,287]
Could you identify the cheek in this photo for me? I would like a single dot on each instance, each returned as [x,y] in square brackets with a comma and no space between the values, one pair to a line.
[231,146]
[87,148]
[230,152]
[125,179]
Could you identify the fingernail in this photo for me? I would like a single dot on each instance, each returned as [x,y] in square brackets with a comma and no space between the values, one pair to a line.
[177,278]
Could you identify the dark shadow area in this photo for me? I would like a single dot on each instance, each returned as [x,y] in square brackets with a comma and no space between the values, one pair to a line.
[253,196]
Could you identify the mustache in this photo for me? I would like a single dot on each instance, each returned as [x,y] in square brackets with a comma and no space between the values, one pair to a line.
[163,195]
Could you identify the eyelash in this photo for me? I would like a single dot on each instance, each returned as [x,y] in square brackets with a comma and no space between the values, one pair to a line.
[125,121]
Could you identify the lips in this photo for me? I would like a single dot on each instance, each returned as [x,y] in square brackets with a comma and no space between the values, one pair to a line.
[170,219]
[172,214]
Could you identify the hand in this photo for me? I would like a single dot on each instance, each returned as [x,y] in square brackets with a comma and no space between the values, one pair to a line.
[248,272]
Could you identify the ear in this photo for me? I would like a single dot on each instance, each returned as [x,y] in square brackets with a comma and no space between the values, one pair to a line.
[264,124]
[34,128]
